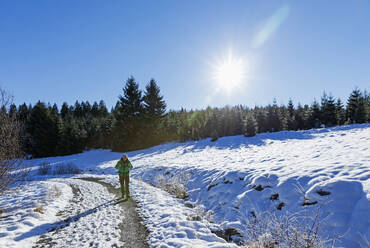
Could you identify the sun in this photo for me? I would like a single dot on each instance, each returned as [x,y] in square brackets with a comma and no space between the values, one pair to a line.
[229,73]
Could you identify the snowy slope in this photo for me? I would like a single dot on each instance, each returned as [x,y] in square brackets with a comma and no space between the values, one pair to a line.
[330,166]
[235,176]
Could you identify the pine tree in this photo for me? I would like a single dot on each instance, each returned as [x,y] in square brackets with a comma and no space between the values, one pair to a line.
[12,110]
[128,130]
[72,140]
[250,125]
[95,110]
[103,111]
[130,104]
[23,112]
[291,121]
[77,110]
[154,104]
[154,109]
[274,118]
[65,110]
[315,115]
[340,112]
[356,111]
[261,118]
[299,117]
[44,130]
[367,105]
[328,110]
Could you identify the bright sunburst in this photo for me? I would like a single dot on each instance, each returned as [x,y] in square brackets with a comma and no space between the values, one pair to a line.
[229,73]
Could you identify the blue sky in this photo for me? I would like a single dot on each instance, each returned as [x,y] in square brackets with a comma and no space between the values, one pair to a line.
[58,51]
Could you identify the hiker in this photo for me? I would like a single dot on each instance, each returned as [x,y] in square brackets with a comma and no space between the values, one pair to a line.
[124,166]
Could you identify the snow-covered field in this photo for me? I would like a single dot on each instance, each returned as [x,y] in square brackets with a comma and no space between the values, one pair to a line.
[325,170]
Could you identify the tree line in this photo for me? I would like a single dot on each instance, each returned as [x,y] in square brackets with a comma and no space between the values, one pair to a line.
[140,120]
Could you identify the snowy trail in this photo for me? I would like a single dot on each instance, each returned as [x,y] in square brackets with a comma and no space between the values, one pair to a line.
[94,218]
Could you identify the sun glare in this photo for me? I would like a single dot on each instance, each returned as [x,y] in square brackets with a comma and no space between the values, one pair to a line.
[229,73]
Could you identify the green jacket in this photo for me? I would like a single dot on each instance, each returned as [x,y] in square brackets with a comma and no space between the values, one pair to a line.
[124,167]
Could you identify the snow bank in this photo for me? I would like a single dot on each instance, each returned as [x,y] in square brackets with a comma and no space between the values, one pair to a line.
[34,205]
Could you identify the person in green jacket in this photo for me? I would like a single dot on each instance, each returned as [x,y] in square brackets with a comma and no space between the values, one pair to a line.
[124,166]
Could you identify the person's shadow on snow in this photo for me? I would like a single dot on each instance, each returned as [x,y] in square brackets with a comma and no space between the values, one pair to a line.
[50,227]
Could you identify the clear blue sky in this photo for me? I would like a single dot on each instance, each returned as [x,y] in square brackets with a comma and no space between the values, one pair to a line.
[58,51]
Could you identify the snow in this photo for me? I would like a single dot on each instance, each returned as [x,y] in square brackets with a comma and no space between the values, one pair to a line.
[326,169]
[23,223]
[167,219]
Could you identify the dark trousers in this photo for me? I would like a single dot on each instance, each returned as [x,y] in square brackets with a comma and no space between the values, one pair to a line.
[125,181]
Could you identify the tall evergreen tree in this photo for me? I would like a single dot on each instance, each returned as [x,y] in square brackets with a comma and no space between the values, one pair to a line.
[250,125]
[315,115]
[274,118]
[103,111]
[44,130]
[72,140]
[95,109]
[77,110]
[12,110]
[291,120]
[154,104]
[65,110]
[340,112]
[130,104]
[356,111]
[23,112]
[328,110]
[154,109]
[128,132]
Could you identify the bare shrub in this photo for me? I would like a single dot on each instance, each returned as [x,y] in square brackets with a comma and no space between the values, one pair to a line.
[39,209]
[11,168]
[68,168]
[175,184]
[267,230]
[54,193]
[44,168]
[200,213]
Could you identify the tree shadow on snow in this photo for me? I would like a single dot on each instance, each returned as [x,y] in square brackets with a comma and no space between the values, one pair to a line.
[51,227]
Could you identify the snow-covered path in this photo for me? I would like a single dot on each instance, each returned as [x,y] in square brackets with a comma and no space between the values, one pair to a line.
[95,216]
[91,219]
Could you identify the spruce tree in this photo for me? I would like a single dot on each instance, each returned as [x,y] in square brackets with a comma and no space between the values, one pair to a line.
[65,110]
[356,112]
[95,110]
[291,121]
[44,130]
[274,118]
[128,133]
[72,140]
[299,117]
[367,105]
[12,110]
[328,110]
[103,111]
[250,125]
[340,112]
[77,110]
[315,115]
[154,109]
[23,112]
[261,118]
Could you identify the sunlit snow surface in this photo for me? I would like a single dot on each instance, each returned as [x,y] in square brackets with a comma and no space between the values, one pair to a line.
[328,166]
